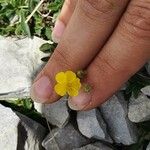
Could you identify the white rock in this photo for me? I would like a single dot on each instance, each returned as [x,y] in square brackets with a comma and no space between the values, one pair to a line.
[19,132]
[146,90]
[92,125]
[148,147]
[120,128]
[94,146]
[139,109]
[57,113]
[65,138]
[20,60]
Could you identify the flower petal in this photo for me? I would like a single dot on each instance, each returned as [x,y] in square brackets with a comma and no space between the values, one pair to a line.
[60,89]
[76,84]
[61,77]
[71,76]
[72,92]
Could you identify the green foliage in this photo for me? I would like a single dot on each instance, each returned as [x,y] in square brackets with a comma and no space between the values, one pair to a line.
[136,83]
[13,14]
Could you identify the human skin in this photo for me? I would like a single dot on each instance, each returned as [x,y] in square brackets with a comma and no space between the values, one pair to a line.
[110,39]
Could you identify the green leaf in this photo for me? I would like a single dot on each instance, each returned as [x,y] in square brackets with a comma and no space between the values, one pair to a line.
[45,48]
[48,32]
[24,25]
[27,103]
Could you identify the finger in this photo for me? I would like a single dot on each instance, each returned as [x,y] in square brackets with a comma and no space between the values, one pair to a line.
[124,54]
[83,37]
[63,19]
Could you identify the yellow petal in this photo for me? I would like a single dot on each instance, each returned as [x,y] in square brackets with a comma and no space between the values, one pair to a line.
[60,89]
[71,76]
[72,92]
[76,84]
[61,77]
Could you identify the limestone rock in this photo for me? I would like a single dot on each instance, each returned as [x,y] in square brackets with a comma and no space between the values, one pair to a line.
[65,138]
[146,90]
[92,125]
[57,113]
[19,132]
[20,60]
[94,146]
[139,109]
[148,147]
[120,127]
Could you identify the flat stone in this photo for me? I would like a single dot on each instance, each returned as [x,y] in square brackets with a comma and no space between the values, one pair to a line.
[57,113]
[94,146]
[20,60]
[92,125]
[139,109]
[65,138]
[19,132]
[148,147]
[146,90]
[121,129]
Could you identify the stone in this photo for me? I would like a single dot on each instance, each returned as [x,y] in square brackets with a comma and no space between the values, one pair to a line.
[146,90]
[65,138]
[94,146]
[20,60]
[38,107]
[148,67]
[57,113]
[92,125]
[114,112]
[19,132]
[148,147]
[139,109]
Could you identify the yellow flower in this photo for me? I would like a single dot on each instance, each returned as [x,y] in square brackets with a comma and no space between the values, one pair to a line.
[67,83]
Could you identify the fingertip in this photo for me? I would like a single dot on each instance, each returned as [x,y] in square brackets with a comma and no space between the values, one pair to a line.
[79,102]
[58,31]
[41,90]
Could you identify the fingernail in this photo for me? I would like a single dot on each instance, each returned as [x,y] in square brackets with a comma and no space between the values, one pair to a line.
[79,102]
[58,31]
[41,90]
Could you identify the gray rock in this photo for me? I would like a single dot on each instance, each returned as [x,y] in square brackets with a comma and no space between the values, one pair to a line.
[139,109]
[66,138]
[19,132]
[20,59]
[146,90]
[94,146]
[57,113]
[148,147]
[92,125]
[148,67]
[120,127]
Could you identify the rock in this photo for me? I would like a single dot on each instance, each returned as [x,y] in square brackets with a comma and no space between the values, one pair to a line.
[38,107]
[139,109]
[148,67]
[20,60]
[120,128]
[146,90]
[65,138]
[57,113]
[92,125]
[19,132]
[148,147]
[94,146]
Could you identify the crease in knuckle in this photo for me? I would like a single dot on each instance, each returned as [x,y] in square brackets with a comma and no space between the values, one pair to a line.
[103,65]
[62,59]
[94,8]
[137,20]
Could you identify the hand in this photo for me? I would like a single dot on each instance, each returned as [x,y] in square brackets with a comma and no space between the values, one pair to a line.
[110,38]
